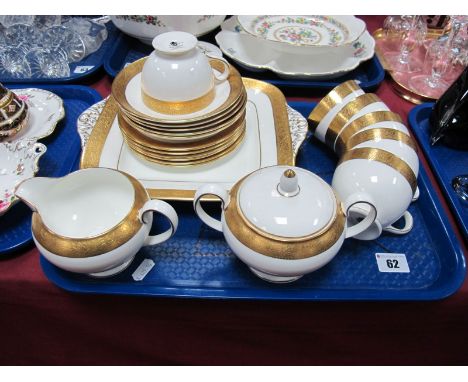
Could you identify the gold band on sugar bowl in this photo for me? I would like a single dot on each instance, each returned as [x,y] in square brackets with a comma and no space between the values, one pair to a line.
[278,247]
[178,107]
[375,135]
[384,157]
[365,121]
[333,98]
[93,246]
[345,114]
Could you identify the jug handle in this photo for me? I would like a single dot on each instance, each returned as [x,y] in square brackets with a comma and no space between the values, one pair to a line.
[367,221]
[225,74]
[401,231]
[165,209]
[210,189]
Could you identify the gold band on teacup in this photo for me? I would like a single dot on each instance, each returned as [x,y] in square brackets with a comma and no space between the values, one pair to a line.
[384,157]
[178,107]
[345,114]
[88,247]
[330,100]
[365,121]
[375,135]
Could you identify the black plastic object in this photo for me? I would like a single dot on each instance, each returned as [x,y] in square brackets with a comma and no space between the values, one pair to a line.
[449,118]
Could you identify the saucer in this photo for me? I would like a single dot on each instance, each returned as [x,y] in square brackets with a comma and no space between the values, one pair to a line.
[274,133]
[126,89]
[260,55]
[18,162]
[45,111]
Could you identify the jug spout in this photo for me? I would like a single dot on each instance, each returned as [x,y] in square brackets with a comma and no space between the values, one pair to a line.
[34,191]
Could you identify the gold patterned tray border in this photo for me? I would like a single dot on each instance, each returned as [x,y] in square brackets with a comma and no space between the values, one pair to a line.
[285,156]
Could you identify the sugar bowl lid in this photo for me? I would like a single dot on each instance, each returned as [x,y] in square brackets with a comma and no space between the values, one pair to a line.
[286,202]
[174,43]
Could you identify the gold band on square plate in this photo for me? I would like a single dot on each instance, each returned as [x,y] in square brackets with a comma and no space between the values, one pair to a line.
[333,98]
[345,114]
[384,157]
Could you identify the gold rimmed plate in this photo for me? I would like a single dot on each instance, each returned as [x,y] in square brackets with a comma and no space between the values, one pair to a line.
[127,85]
[188,136]
[187,163]
[136,136]
[199,125]
[195,154]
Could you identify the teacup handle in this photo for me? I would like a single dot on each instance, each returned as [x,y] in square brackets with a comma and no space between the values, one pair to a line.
[367,221]
[210,189]
[225,74]
[407,227]
[416,195]
[165,209]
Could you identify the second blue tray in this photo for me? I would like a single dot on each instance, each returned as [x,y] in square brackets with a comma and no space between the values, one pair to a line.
[198,263]
[445,162]
[369,74]
[78,70]
[61,157]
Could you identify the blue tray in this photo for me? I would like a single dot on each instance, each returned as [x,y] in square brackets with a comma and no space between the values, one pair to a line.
[62,156]
[445,162]
[370,73]
[197,262]
[94,61]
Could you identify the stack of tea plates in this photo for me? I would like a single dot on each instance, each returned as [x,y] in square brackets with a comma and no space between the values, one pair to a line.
[297,47]
[180,140]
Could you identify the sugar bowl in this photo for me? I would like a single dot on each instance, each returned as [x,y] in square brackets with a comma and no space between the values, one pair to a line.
[94,220]
[13,113]
[283,221]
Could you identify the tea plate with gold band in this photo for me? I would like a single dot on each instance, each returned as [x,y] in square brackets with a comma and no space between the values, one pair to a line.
[126,89]
[273,135]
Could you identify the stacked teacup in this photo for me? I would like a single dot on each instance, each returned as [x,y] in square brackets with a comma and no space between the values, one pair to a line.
[377,155]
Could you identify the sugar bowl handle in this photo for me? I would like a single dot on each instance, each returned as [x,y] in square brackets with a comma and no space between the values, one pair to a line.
[367,221]
[215,190]
[225,73]
[165,209]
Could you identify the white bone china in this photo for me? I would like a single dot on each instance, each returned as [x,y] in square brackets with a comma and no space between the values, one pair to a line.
[93,220]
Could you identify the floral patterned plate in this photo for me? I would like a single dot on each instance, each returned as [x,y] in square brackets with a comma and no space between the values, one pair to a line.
[304,30]
[45,112]
[260,55]
[18,161]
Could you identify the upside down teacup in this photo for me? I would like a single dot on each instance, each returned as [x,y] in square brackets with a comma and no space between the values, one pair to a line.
[330,105]
[93,221]
[177,77]
[393,141]
[361,105]
[284,222]
[388,179]
[373,120]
